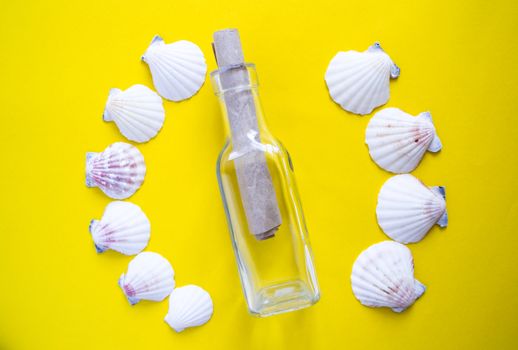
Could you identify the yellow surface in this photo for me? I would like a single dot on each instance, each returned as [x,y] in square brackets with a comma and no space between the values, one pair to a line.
[60,58]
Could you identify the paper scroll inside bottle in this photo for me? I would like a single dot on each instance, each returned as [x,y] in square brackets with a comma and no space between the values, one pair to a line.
[254,178]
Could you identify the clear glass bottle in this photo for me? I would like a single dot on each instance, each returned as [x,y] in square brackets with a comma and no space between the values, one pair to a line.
[277,274]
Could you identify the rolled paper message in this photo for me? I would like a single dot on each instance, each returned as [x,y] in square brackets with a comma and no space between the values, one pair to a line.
[253,176]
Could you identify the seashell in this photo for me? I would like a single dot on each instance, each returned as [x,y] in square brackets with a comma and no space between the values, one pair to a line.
[178,69]
[359,81]
[383,276]
[189,306]
[407,209]
[118,171]
[137,111]
[149,277]
[124,228]
[397,140]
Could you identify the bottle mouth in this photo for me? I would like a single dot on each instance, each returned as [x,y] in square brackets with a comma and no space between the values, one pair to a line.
[217,75]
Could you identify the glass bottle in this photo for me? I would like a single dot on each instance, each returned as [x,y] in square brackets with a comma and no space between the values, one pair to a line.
[277,274]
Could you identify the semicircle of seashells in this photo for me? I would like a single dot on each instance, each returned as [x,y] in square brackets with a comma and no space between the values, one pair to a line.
[123,227]
[407,209]
[137,111]
[359,81]
[383,276]
[397,141]
[178,69]
[118,171]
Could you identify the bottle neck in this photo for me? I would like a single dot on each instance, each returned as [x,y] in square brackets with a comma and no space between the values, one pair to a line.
[237,91]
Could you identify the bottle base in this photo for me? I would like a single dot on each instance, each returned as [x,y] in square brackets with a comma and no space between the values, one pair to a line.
[284,297]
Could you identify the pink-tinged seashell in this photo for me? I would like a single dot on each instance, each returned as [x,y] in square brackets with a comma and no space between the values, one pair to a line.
[118,171]
[124,228]
[383,276]
[397,140]
[150,276]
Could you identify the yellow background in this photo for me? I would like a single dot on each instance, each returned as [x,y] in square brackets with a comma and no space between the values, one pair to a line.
[60,58]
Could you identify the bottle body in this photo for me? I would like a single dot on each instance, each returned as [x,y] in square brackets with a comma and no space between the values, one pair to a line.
[277,273]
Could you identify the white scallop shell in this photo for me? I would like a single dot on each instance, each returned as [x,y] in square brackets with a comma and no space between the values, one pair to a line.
[178,69]
[359,81]
[138,112]
[149,277]
[383,276]
[407,209]
[124,228]
[118,171]
[189,306]
[397,140]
